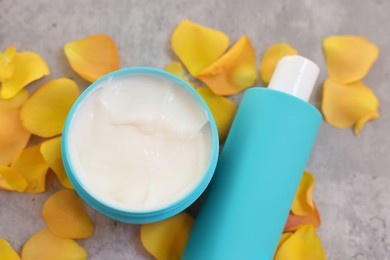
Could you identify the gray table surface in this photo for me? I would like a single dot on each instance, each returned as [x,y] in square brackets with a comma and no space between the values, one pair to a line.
[353,179]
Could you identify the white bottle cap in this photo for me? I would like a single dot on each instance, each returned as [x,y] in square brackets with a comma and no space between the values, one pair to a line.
[296,76]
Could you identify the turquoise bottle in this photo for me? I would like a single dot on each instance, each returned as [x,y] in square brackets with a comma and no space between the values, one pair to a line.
[259,169]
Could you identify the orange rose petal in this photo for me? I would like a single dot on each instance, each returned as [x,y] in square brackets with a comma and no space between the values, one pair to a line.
[44,113]
[177,69]
[7,64]
[271,57]
[7,252]
[234,71]
[304,244]
[303,204]
[14,102]
[93,57]
[11,179]
[223,110]
[346,105]
[43,245]
[197,46]
[29,67]
[33,168]
[51,152]
[283,238]
[13,136]
[166,240]
[349,58]
[294,222]
[66,217]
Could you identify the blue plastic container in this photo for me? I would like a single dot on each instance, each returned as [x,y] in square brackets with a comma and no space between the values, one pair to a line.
[123,214]
[259,170]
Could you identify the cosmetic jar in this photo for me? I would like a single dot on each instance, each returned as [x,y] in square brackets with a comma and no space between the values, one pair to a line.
[165,163]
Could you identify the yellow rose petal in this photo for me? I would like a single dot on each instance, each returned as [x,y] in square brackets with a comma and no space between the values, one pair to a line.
[283,238]
[304,244]
[349,58]
[362,121]
[294,222]
[11,179]
[93,57]
[303,204]
[51,152]
[234,71]
[223,110]
[13,136]
[7,64]
[29,67]
[7,252]
[177,69]
[166,240]
[271,57]
[33,168]
[43,245]
[14,102]
[44,113]
[198,46]
[66,217]
[4,183]
[346,105]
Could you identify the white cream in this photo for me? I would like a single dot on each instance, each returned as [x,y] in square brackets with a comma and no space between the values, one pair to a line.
[140,142]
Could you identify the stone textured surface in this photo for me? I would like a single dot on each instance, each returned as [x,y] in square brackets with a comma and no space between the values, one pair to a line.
[353,178]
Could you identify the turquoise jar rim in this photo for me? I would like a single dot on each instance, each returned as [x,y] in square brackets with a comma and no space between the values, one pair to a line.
[142,216]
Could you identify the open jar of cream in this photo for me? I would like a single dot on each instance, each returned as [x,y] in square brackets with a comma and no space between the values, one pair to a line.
[140,145]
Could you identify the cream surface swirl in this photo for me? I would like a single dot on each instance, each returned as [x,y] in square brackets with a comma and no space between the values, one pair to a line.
[140,142]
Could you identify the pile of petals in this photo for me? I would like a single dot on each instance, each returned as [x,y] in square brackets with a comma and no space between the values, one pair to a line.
[66,220]
[24,165]
[299,239]
[204,53]
[347,101]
